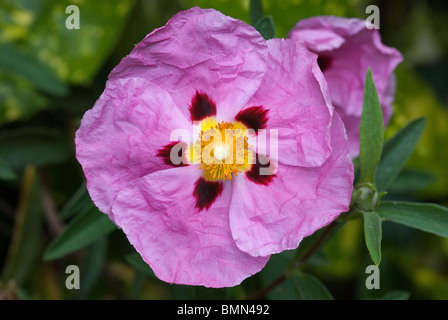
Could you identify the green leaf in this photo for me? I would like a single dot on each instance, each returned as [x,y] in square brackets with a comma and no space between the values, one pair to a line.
[255,11]
[371,131]
[427,217]
[396,152]
[373,235]
[83,230]
[35,71]
[6,173]
[310,288]
[266,27]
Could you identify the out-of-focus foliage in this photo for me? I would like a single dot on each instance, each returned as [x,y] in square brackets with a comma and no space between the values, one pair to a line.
[415,99]
[35,45]
[285,13]
[38,28]
[50,75]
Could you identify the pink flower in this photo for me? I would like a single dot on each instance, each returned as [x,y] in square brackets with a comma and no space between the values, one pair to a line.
[213,218]
[346,49]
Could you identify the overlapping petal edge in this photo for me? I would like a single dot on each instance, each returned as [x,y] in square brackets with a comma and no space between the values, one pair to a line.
[118,142]
[346,49]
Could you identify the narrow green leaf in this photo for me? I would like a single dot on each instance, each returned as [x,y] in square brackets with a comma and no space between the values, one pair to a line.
[411,181]
[266,27]
[6,173]
[136,261]
[373,235]
[284,291]
[278,265]
[371,131]
[427,217]
[137,285]
[78,203]
[396,295]
[396,152]
[255,11]
[92,266]
[32,69]
[26,238]
[311,288]
[83,230]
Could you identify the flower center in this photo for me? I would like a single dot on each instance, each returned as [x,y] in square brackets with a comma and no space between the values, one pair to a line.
[221,149]
[220,152]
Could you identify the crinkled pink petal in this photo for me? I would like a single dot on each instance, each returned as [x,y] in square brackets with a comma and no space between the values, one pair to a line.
[318,40]
[201,50]
[329,24]
[269,219]
[184,246]
[295,92]
[119,137]
[197,232]
[347,65]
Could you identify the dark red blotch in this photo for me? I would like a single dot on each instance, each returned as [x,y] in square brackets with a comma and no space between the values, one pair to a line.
[165,153]
[206,193]
[324,62]
[254,173]
[255,118]
[202,107]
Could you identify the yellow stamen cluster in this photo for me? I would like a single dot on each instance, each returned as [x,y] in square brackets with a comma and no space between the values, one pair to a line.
[221,149]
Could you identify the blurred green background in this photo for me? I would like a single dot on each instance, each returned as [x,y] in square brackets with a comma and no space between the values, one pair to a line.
[50,75]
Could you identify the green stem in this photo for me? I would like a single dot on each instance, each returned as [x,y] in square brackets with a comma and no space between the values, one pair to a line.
[297,264]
